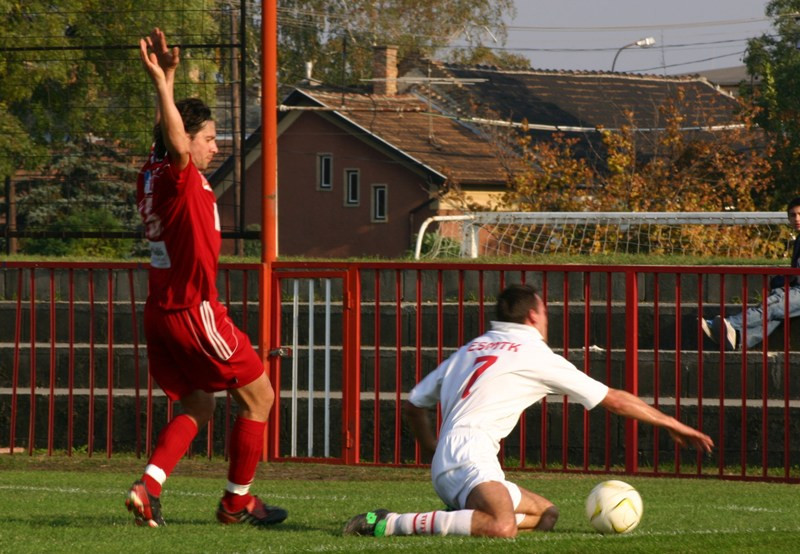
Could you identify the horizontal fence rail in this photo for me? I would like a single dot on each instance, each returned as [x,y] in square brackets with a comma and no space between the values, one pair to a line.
[350,341]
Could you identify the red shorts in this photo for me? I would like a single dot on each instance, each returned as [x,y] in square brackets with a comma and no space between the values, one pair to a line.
[198,348]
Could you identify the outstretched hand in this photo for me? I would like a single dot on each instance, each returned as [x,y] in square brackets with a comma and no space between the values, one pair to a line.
[699,440]
[160,61]
[168,58]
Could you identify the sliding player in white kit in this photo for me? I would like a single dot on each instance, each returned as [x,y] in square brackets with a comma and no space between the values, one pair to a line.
[483,388]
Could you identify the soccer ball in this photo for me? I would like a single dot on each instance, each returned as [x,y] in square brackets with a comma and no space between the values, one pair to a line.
[614,507]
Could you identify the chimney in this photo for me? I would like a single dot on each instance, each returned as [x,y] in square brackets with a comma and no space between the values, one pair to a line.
[384,67]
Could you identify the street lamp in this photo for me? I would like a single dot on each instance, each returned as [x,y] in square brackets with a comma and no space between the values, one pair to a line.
[641,43]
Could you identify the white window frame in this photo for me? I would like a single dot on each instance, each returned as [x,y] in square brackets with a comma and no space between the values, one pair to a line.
[322,184]
[379,195]
[355,199]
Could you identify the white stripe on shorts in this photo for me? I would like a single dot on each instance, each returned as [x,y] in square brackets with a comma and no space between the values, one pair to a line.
[220,346]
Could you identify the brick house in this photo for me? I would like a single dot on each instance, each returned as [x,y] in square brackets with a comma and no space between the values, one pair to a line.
[359,172]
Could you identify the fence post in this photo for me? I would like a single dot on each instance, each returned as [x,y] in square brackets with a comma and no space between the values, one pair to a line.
[631,366]
[351,361]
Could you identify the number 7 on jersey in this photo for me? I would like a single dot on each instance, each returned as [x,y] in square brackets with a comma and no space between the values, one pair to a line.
[483,363]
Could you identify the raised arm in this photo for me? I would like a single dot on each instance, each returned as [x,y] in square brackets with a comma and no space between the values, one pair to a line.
[160,63]
[168,59]
[625,404]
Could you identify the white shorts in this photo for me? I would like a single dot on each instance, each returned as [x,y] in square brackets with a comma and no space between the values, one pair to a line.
[461,463]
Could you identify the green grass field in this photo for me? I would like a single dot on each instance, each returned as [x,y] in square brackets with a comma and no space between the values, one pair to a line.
[75,504]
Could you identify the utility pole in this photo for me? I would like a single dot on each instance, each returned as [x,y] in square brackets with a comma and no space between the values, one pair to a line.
[236,132]
[11,217]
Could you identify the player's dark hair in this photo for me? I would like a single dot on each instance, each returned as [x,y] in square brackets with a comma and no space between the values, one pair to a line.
[792,203]
[194,114]
[514,303]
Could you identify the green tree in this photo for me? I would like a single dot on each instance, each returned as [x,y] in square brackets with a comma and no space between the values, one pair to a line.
[775,100]
[338,36]
[70,76]
[86,187]
[73,70]
[483,55]
[681,171]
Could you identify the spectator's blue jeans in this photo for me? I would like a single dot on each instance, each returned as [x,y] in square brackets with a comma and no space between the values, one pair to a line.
[776,312]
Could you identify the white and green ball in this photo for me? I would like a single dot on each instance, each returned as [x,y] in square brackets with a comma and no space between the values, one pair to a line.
[614,507]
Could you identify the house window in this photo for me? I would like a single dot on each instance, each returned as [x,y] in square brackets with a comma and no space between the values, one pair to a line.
[325,171]
[352,182]
[380,203]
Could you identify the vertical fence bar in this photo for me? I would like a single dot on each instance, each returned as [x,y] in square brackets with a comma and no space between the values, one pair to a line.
[632,366]
[327,363]
[295,349]
[721,338]
[71,363]
[677,369]
[565,401]
[743,382]
[657,364]
[398,363]
[700,368]
[110,366]
[460,307]
[311,344]
[418,346]
[272,449]
[15,372]
[587,314]
[51,408]
[352,364]
[544,429]
[481,307]
[523,435]
[439,335]
[609,345]
[376,403]
[245,279]
[90,440]
[764,381]
[786,383]
[32,365]
[136,368]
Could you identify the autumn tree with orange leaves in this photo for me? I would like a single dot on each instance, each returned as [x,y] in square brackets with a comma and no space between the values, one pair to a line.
[667,170]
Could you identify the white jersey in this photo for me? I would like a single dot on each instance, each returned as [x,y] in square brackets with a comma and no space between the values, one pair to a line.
[484,387]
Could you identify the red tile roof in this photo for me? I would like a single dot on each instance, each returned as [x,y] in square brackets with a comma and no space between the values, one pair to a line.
[405,122]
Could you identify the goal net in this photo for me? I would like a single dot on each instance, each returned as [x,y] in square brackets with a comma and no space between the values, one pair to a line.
[723,234]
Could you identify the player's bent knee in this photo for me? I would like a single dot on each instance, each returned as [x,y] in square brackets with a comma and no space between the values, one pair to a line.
[548,519]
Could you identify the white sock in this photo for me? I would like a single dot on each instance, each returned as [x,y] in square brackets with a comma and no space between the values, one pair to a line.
[430,523]
[241,490]
[158,474]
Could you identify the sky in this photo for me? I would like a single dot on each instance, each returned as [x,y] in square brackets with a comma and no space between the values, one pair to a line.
[690,35]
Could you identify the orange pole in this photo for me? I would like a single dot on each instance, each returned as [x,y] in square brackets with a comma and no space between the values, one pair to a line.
[269,187]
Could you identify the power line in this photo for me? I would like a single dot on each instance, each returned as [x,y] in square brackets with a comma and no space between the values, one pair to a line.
[712,58]
[593,29]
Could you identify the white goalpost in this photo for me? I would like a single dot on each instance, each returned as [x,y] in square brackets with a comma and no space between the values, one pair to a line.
[734,234]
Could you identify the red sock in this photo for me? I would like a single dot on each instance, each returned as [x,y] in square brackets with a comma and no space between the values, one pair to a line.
[246,445]
[173,442]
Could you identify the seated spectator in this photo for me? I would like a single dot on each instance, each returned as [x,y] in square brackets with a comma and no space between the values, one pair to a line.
[731,328]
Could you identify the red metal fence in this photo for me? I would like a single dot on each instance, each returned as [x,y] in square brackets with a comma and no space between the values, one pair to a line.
[350,340]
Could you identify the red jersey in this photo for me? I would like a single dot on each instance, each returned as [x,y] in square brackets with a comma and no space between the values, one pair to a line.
[181,223]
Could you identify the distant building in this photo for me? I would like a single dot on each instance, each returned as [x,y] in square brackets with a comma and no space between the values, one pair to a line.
[358,172]
[730,79]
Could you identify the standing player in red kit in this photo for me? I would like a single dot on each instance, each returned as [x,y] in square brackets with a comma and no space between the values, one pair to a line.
[193,347]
